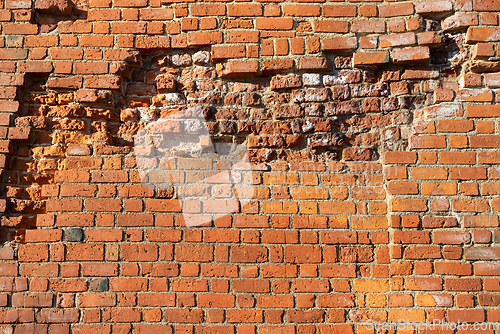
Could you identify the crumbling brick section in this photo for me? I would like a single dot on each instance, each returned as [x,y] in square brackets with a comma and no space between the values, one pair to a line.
[249,167]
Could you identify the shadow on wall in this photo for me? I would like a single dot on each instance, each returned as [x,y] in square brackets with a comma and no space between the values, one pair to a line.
[48,13]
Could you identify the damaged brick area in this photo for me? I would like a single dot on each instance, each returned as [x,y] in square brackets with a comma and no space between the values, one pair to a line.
[223,167]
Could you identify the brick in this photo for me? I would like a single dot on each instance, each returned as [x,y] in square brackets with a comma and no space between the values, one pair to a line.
[74,27]
[339,43]
[331,26]
[85,252]
[32,300]
[130,3]
[424,283]
[216,300]
[74,82]
[482,34]
[459,21]
[10,107]
[484,141]
[434,7]
[104,15]
[152,42]
[486,6]
[139,252]
[420,53]
[58,316]
[225,52]
[397,40]
[204,38]
[8,284]
[274,24]
[368,26]
[244,10]
[339,10]
[184,316]
[302,254]
[370,286]
[414,205]
[467,173]
[392,10]
[193,252]
[433,142]
[16,4]
[314,64]
[451,268]
[241,36]
[20,29]
[97,300]
[128,284]
[371,58]
[206,10]
[470,205]
[301,10]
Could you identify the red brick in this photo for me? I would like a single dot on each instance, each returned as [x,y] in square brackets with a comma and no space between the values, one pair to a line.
[397,40]
[130,3]
[400,9]
[414,205]
[453,238]
[128,284]
[319,63]
[183,316]
[216,300]
[420,53]
[301,10]
[121,315]
[302,254]
[274,24]
[452,268]
[424,283]
[368,26]
[204,38]
[20,29]
[432,142]
[434,7]
[482,34]
[206,10]
[58,316]
[339,10]
[486,6]
[149,14]
[97,300]
[371,58]
[99,269]
[193,253]
[84,252]
[74,82]
[225,52]
[332,26]
[244,10]
[153,329]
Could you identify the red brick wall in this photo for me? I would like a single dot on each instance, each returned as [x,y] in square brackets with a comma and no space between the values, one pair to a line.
[354,178]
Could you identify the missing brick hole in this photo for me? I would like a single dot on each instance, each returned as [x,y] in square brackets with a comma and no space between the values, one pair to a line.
[342,114]
[304,117]
[49,13]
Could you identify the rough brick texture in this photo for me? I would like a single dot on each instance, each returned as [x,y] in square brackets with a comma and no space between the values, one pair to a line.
[248,167]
